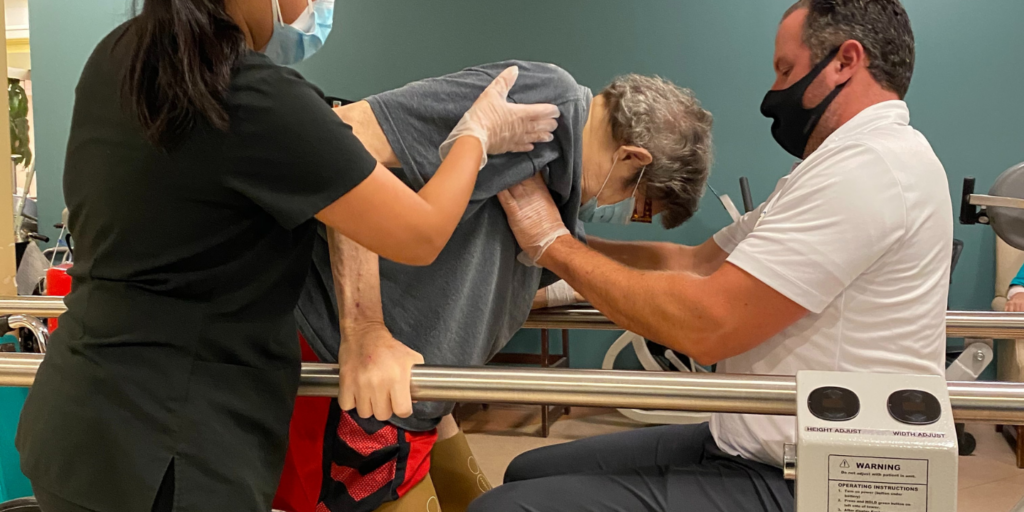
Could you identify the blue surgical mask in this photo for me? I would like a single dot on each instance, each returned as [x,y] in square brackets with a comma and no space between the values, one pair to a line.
[291,44]
[618,213]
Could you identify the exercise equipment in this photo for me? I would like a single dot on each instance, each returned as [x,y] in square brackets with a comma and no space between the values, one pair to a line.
[873,442]
[1002,208]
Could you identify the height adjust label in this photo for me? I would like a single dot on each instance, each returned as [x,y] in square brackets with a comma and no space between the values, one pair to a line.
[876,484]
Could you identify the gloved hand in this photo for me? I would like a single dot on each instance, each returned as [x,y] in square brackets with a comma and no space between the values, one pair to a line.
[376,374]
[533,217]
[501,126]
[558,294]
[561,294]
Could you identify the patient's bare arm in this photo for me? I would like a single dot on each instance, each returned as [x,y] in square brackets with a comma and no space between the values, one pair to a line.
[375,367]
[364,125]
[702,260]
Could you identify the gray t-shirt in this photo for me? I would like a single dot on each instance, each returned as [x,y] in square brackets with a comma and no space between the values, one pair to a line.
[464,308]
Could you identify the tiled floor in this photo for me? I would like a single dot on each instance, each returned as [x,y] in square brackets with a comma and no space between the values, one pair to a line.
[989,480]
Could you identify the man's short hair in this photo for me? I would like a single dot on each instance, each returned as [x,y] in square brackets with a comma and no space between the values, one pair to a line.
[667,121]
[881,26]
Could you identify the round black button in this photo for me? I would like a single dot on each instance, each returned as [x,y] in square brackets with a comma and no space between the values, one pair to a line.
[833,404]
[914,407]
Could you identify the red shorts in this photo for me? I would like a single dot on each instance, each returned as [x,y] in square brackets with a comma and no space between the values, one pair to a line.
[339,462]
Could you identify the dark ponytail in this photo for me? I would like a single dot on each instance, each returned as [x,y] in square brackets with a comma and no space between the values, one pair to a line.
[180,65]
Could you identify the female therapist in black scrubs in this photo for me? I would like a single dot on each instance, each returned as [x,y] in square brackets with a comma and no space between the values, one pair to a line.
[195,169]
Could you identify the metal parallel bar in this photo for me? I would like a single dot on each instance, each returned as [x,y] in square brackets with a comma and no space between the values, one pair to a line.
[39,307]
[570,317]
[959,324]
[974,402]
[984,324]
[974,324]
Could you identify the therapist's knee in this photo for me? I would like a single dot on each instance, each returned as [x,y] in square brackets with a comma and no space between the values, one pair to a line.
[500,499]
[523,467]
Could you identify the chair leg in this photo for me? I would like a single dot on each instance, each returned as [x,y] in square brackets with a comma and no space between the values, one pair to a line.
[545,354]
[545,427]
[1020,447]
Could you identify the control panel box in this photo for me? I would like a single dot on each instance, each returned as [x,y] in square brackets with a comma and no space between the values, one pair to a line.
[874,443]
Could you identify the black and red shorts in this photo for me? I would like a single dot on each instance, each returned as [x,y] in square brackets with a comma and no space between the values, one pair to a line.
[339,462]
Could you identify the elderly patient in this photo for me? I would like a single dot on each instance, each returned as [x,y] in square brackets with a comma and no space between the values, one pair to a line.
[641,147]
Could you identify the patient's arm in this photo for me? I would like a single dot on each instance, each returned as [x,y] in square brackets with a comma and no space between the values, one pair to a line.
[702,260]
[364,125]
[376,369]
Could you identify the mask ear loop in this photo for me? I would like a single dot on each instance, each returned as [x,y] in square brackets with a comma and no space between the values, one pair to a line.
[638,180]
[276,4]
[606,178]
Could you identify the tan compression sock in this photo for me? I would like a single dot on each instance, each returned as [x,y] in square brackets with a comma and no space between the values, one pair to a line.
[420,498]
[457,476]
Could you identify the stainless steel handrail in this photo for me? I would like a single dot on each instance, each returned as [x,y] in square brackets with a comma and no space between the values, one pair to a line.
[975,402]
[959,324]
[38,328]
[39,307]
[570,317]
[973,324]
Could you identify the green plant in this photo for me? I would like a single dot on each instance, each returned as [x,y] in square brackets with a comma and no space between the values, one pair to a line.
[18,102]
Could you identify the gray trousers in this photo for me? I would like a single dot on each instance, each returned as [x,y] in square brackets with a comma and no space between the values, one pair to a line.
[676,468]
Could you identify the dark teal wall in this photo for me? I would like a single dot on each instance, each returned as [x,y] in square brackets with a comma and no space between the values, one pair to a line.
[966,96]
[63,36]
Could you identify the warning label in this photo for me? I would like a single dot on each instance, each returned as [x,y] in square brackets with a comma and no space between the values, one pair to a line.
[874,484]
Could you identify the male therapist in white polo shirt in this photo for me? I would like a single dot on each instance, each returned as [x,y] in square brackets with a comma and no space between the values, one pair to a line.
[845,267]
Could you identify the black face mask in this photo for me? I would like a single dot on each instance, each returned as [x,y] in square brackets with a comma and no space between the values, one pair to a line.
[793,123]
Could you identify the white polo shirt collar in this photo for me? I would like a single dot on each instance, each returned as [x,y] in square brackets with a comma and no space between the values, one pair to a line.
[893,112]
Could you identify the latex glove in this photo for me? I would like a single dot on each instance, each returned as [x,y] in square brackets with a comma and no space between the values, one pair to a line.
[376,374]
[533,217]
[501,126]
[561,294]
[1016,302]
[558,294]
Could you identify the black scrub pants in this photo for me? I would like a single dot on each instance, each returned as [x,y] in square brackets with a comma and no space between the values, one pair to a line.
[677,468]
[164,502]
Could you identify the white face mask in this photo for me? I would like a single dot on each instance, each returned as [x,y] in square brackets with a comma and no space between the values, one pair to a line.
[618,213]
[291,44]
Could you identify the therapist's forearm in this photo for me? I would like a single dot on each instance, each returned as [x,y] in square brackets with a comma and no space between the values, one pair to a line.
[356,273]
[701,260]
[677,309]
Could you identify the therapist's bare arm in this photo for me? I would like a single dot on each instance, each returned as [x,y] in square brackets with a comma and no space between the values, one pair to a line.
[707,318]
[703,259]
[375,367]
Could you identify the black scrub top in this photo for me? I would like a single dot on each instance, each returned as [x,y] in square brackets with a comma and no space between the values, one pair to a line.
[179,342]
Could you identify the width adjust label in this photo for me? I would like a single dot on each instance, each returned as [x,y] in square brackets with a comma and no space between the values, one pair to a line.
[875,484]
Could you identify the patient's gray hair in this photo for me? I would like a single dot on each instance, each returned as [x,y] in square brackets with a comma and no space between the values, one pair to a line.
[668,121]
